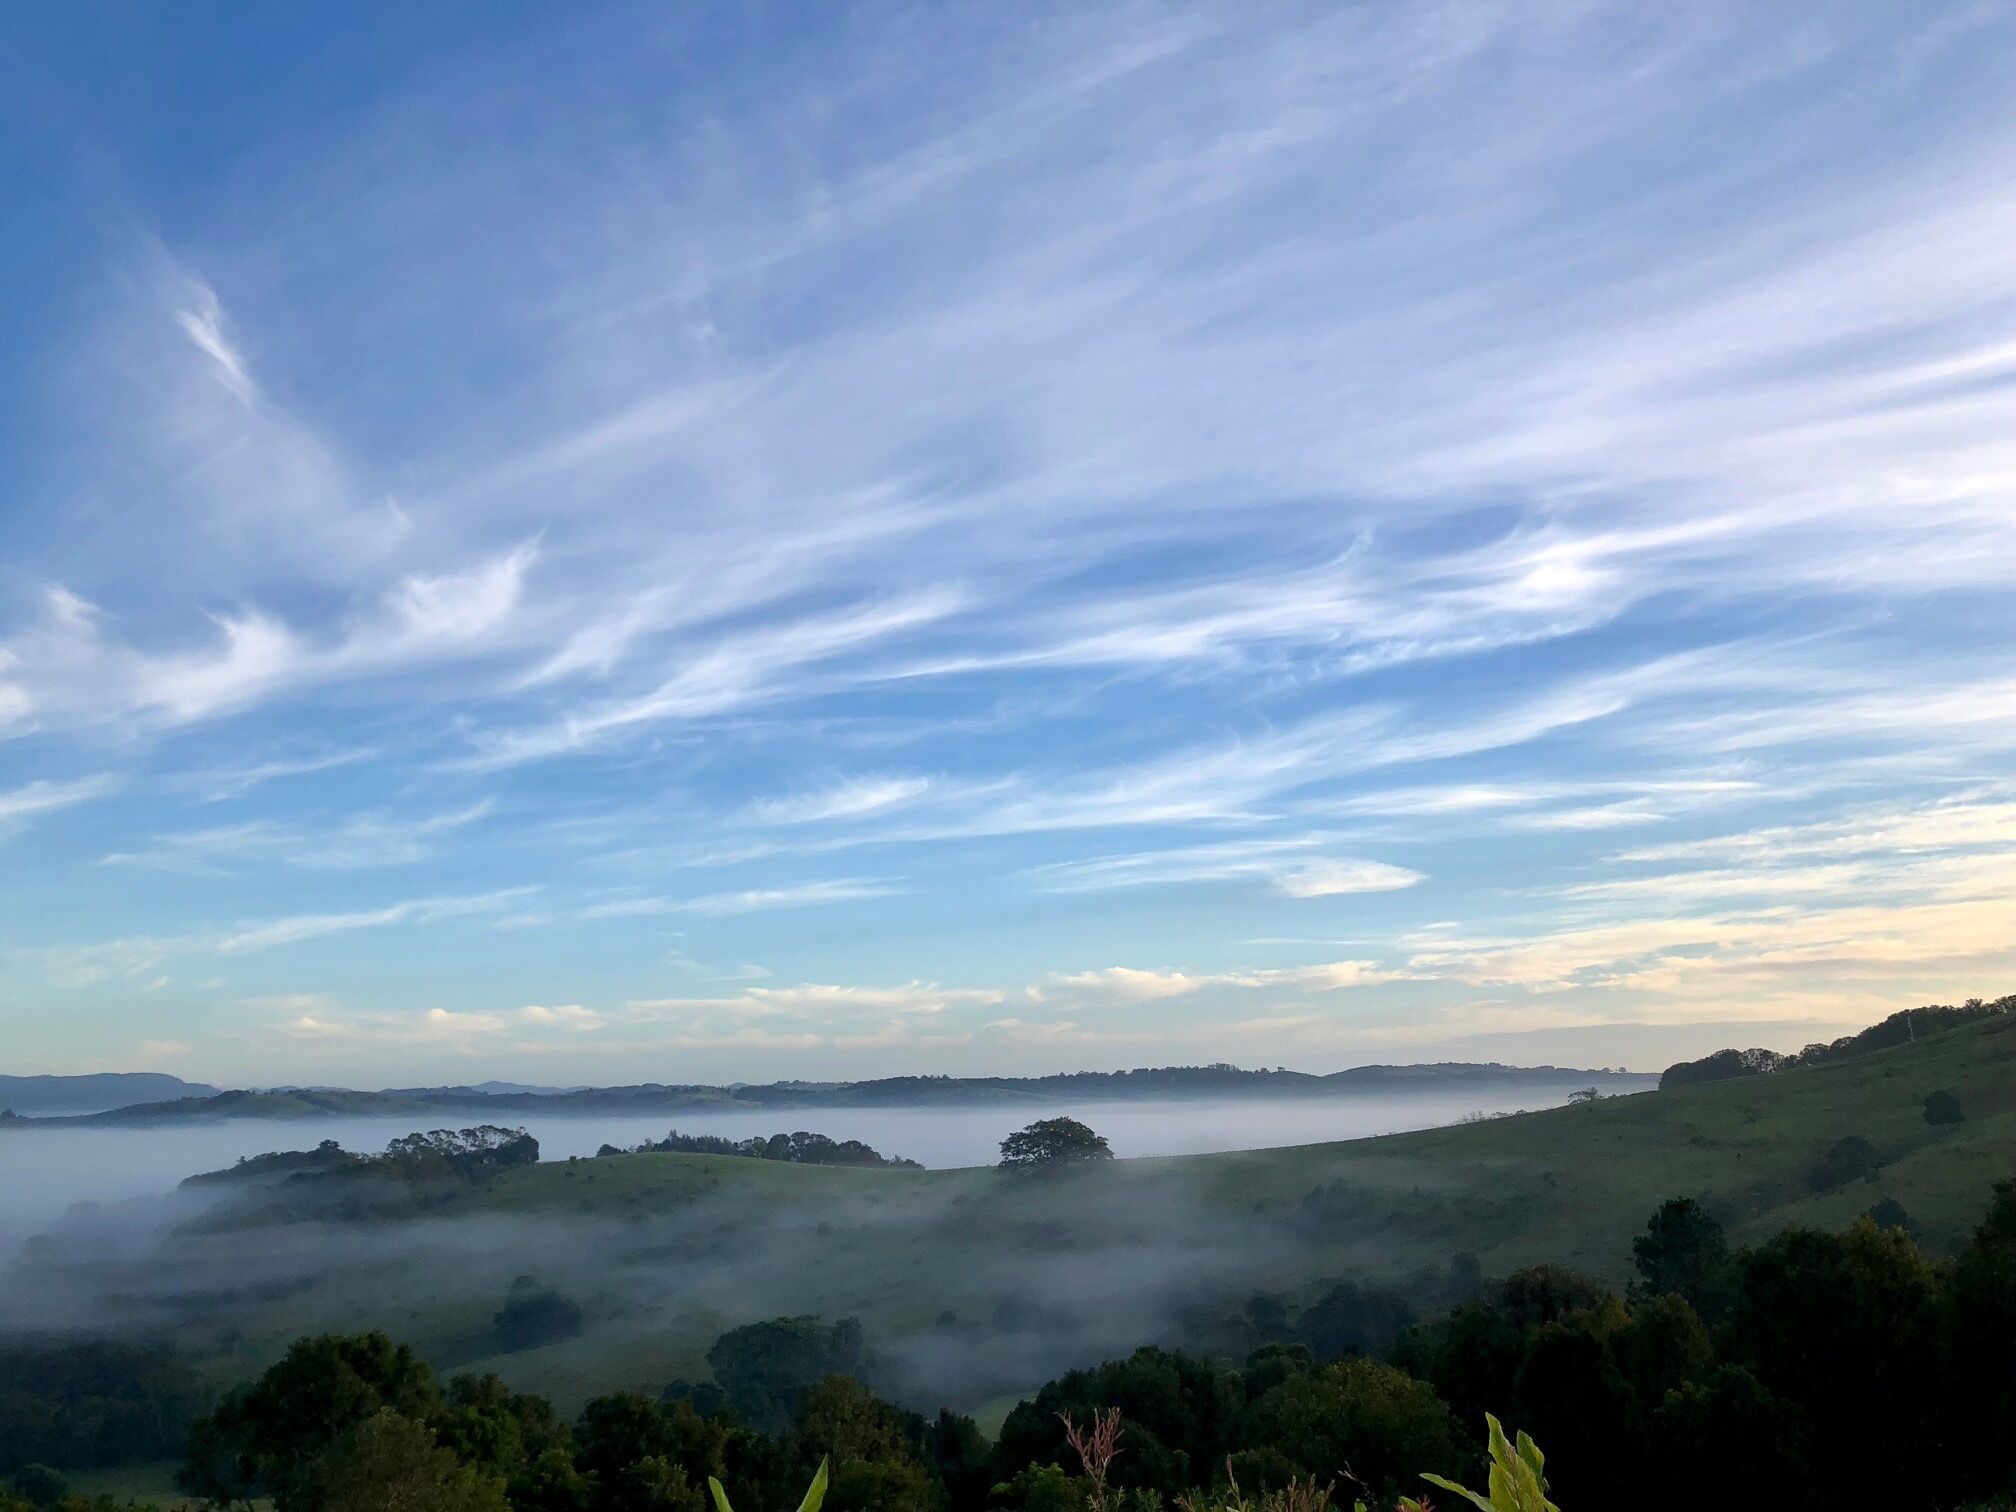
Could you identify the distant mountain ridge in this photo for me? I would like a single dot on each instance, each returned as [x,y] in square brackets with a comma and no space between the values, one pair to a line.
[1177,1082]
[94,1093]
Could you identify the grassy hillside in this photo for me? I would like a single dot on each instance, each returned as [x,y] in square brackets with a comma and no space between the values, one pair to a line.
[1570,1184]
[1573,1184]
[981,1284]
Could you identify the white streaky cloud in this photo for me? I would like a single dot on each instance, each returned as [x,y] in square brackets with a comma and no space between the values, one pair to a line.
[442,1022]
[292,1002]
[736,671]
[72,672]
[1979,713]
[1129,984]
[442,1028]
[1330,879]
[1596,816]
[1293,866]
[373,840]
[821,1000]
[1909,919]
[570,1016]
[46,796]
[1126,984]
[1961,822]
[629,908]
[222,783]
[203,324]
[1330,976]
[300,927]
[360,842]
[792,895]
[257,654]
[854,799]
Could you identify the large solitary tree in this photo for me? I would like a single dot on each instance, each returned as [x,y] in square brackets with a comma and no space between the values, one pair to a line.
[1051,1144]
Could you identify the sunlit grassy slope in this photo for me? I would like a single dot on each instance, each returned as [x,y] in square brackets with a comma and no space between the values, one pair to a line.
[1570,1184]
[666,1251]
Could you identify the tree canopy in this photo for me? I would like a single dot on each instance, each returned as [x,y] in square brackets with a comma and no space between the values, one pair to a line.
[1051,1144]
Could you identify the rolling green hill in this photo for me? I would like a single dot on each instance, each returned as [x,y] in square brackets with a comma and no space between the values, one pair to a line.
[950,1268]
[1569,1184]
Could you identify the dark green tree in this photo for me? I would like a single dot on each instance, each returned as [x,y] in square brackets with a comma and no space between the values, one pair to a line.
[391,1463]
[1942,1107]
[1471,1357]
[1354,1318]
[1182,1418]
[515,1434]
[873,1450]
[1052,1144]
[959,1455]
[640,1453]
[1837,1324]
[1546,1294]
[1683,1252]
[1376,1423]
[1729,1420]
[265,1438]
[39,1486]
[1843,1161]
[534,1315]
[765,1369]
[1980,1326]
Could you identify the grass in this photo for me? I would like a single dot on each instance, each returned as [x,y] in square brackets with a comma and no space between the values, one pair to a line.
[1574,1184]
[666,1251]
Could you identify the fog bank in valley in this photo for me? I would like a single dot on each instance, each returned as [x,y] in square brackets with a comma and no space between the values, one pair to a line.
[968,1287]
[45,1171]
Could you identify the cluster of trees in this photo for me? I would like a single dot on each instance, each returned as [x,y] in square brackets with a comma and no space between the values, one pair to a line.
[799,1148]
[415,1173]
[465,1154]
[1898,1029]
[93,1402]
[454,1155]
[1817,1370]
[279,1165]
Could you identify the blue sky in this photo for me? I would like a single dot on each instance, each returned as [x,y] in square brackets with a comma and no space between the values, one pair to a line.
[605,543]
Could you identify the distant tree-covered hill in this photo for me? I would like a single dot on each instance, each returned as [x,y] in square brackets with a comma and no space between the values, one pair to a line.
[1165,1082]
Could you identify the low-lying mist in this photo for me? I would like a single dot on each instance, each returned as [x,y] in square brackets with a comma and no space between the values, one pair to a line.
[45,1171]
[968,1286]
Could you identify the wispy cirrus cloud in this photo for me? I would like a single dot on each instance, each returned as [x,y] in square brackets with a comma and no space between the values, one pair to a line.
[46,796]
[360,842]
[747,900]
[1354,484]
[1297,867]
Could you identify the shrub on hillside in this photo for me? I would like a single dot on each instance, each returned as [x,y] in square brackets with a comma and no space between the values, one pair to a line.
[1841,1162]
[534,1315]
